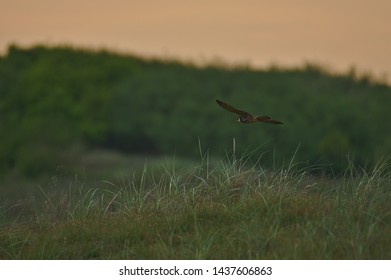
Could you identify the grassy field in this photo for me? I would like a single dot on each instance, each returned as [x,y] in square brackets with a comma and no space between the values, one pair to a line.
[231,209]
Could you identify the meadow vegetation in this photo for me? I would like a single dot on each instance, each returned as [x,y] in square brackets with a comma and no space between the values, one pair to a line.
[232,209]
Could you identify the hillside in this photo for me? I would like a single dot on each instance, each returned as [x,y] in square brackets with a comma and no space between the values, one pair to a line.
[56,102]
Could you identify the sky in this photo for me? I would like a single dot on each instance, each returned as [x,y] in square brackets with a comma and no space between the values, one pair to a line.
[337,34]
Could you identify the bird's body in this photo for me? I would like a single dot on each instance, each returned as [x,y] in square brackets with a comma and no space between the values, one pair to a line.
[245,117]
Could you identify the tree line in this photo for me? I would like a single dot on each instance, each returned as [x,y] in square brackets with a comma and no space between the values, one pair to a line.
[56,102]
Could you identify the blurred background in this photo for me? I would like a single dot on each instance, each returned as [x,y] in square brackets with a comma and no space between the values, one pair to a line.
[339,34]
[96,87]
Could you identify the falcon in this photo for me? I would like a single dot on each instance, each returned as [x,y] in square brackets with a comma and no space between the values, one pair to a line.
[245,117]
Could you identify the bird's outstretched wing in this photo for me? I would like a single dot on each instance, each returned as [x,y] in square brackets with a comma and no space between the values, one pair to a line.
[245,117]
[231,109]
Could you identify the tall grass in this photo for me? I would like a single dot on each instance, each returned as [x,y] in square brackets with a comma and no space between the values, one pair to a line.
[232,209]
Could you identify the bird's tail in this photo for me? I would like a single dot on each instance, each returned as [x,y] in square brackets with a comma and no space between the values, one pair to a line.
[268,119]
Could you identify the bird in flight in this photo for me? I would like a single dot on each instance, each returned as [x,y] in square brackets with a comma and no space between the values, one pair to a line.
[245,117]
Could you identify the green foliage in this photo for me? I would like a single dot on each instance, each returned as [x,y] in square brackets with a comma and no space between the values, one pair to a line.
[52,99]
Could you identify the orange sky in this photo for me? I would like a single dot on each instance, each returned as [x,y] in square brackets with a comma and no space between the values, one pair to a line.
[337,33]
